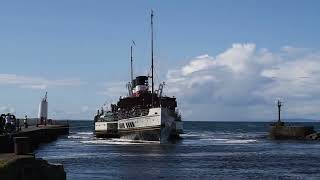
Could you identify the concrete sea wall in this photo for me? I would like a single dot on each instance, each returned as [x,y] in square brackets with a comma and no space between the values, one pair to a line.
[17,161]
[37,135]
[290,132]
[27,167]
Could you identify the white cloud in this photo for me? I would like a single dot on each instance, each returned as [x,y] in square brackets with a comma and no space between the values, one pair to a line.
[200,63]
[6,109]
[36,82]
[243,82]
[237,57]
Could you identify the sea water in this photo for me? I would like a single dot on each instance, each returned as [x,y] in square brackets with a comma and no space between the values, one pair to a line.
[208,150]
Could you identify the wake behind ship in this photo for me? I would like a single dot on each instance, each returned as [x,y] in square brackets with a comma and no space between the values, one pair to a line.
[145,114]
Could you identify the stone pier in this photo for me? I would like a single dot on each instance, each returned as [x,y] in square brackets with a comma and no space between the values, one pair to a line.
[17,162]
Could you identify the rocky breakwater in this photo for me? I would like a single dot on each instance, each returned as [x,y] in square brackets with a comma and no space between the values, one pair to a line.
[313,136]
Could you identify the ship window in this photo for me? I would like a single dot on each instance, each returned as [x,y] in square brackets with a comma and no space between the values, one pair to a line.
[155,113]
[121,125]
[130,124]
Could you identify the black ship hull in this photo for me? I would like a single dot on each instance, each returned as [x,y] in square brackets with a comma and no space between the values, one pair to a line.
[105,134]
[144,134]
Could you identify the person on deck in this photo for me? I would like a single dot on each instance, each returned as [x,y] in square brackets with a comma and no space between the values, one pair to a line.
[2,124]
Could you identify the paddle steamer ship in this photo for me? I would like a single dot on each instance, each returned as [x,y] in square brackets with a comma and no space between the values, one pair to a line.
[145,114]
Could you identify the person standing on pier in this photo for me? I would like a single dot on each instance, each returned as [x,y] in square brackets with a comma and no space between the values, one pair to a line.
[2,123]
[8,124]
[18,128]
[13,122]
[25,121]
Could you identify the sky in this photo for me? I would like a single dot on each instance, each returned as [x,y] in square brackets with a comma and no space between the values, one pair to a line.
[223,60]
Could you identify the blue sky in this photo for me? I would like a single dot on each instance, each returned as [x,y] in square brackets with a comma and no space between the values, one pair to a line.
[78,50]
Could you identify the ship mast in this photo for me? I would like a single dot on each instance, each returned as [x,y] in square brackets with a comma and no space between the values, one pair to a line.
[131,47]
[131,63]
[130,85]
[152,89]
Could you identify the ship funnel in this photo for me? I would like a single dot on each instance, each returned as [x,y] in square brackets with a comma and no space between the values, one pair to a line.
[140,85]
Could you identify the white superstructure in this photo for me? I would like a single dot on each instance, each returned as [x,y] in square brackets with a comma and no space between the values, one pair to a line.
[158,125]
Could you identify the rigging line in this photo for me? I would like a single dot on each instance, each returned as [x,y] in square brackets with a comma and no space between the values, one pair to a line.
[155,71]
[157,77]
[152,91]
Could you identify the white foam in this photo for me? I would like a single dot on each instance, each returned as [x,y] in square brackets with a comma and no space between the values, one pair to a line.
[69,156]
[77,137]
[214,139]
[204,154]
[241,141]
[119,142]
[85,133]
[188,135]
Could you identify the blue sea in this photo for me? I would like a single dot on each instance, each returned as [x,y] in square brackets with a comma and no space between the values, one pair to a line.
[208,150]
